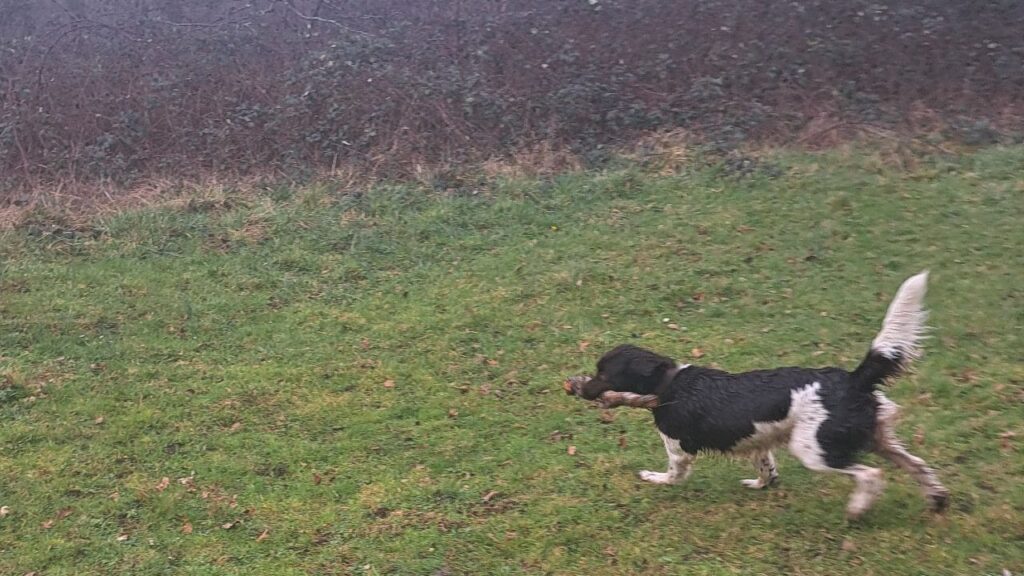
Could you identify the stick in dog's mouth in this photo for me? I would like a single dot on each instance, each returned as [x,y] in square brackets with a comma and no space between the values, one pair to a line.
[611,398]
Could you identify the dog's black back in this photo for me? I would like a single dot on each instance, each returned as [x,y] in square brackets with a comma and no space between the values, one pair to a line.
[708,409]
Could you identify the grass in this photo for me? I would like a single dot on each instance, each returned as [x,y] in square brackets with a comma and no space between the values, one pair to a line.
[315,383]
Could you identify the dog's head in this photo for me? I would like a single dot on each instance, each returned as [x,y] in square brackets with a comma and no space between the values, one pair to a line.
[626,368]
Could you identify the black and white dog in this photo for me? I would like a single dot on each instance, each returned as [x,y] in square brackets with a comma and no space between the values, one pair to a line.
[826,416]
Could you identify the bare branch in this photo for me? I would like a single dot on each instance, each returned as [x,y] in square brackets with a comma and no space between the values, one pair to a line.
[224,20]
[309,18]
[612,399]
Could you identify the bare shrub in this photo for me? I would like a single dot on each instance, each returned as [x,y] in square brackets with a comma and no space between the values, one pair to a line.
[100,94]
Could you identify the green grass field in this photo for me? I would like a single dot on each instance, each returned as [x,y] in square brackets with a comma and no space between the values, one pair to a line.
[305,382]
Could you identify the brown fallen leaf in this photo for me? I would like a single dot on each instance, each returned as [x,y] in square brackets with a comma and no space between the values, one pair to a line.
[607,416]
[622,441]
[453,413]
[5,511]
[967,376]
[263,536]
[122,537]
[236,426]
[490,495]
[163,484]
[848,545]
[1005,439]
[186,528]
[189,482]
[99,420]
[571,450]
[389,384]
[317,479]
[61,514]
[919,436]
[697,353]
[584,345]
[229,525]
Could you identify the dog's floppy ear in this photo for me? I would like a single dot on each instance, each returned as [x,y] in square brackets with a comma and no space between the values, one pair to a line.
[650,365]
[643,362]
[646,368]
[651,368]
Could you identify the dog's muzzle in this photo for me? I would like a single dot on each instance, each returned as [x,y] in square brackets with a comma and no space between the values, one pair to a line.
[573,384]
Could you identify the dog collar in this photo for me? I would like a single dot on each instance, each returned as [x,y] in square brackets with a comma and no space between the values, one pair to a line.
[671,374]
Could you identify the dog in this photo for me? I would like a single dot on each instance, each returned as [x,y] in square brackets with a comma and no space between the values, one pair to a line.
[827,417]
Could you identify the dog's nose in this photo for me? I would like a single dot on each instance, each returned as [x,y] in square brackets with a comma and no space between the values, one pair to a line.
[572,384]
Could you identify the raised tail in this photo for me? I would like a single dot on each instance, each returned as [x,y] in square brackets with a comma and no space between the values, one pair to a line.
[899,341]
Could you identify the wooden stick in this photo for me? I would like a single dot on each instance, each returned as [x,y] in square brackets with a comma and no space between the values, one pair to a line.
[611,398]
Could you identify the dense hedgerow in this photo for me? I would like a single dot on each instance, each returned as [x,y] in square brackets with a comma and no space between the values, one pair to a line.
[114,90]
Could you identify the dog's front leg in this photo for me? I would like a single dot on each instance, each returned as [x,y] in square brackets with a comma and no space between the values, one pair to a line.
[679,462]
[767,472]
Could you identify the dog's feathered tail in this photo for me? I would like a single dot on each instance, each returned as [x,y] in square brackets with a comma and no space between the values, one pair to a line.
[899,341]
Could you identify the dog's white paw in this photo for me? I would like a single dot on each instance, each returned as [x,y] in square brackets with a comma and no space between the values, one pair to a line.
[754,483]
[658,477]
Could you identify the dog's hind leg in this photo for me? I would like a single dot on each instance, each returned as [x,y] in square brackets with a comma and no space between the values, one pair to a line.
[870,483]
[806,447]
[767,472]
[888,446]
[869,487]
[678,464]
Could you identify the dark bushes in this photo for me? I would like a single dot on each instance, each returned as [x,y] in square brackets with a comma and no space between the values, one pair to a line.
[109,91]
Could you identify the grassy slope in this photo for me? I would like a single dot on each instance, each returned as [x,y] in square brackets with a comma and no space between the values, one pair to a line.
[250,348]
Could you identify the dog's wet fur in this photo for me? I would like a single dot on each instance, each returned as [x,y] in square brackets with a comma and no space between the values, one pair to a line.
[827,417]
